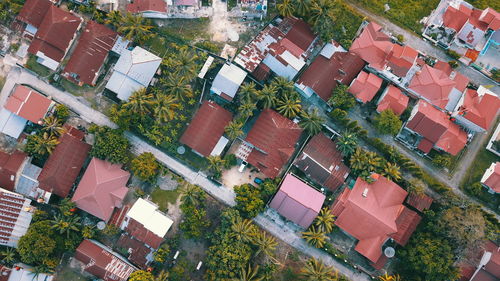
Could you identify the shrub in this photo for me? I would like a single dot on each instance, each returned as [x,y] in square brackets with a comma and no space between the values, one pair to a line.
[453,64]
[452,54]
[443,160]
[400,38]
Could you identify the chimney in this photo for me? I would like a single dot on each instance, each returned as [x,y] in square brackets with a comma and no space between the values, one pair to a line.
[365,192]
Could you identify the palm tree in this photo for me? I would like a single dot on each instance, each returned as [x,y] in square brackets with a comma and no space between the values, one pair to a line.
[53,126]
[347,143]
[315,236]
[282,85]
[8,256]
[387,277]
[315,270]
[233,129]
[165,106]
[247,92]
[311,122]
[177,86]
[249,274]
[289,107]
[286,8]
[391,172]
[162,276]
[242,229]
[325,220]
[191,195]
[246,109]
[267,96]
[41,144]
[302,7]
[114,18]
[41,269]
[140,102]
[321,10]
[135,27]
[185,63]
[65,224]
[265,243]
[215,164]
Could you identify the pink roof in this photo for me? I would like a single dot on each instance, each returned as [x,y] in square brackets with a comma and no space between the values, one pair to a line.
[138,6]
[480,110]
[298,201]
[493,181]
[365,86]
[456,18]
[369,212]
[394,100]
[28,104]
[102,188]
[491,17]
[401,59]
[373,46]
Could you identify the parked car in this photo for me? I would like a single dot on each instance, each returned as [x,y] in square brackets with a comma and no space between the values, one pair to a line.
[258,180]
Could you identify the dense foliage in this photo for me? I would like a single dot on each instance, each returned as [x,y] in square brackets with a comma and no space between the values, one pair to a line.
[387,122]
[146,167]
[193,207]
[110,144]
[250,200]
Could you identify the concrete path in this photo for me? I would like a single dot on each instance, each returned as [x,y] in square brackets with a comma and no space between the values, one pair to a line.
[415,41]
[221,193]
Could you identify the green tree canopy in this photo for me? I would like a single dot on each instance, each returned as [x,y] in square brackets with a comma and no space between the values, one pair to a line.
[37,244]
[248,200]
[146,167]
[341,98]
[141,275]
[387,122]
[110,144]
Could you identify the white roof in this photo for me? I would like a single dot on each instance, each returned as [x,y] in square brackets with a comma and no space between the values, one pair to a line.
[11,124]
[219,147]
[147,214]
[120,45]
[27,275]
[228,80]
[329,49]
[134,69]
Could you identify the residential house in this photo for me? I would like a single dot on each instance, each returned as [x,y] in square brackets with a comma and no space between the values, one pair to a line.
[133,70]
[10,168]
[186,3]
[392,98]
[53,31]
[323,163]
[156,9]
[24,272]
[102,262]
[491,178]
[434,129]
[365,86]
[23,105]
[297,201]
[486,267]
[284,46]
[101,189]
[270,143]
[376,48]
[332,67]
[86,63]
[205,133]
[15,213]
[477,109]
[373,213]
[439,85]
[228,81]
[145,228]
[64,164]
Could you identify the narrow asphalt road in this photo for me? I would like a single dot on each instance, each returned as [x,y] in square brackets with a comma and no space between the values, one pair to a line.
[285,232]
[418,43]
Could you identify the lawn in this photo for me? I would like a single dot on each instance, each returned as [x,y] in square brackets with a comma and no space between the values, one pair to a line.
[36,67]
[163,197]
[72,87]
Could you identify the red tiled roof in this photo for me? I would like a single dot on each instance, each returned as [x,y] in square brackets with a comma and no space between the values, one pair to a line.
[365,86]
[101,189]
[425,145]
[419,202]
[460,80]
[28,103]
[300,37]
[493,181]
[394,100]
[206,128]
[138,6]
[491,17]
[370,212]
[435,126]
[63,166]
[373,45]
[401,59]
[102,263]
[138,251]
[480,109]
[93,47]
[34,11]
[118,215]
[274,137]
[262,72]
[454,18]
[406,223]
[297,201]
[9,166]
[323,75]
[137,230]
[323,163]
[55,33]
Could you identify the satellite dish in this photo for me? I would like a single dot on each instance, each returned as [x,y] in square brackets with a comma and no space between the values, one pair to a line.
[101,225]
[181,150]
[389,252]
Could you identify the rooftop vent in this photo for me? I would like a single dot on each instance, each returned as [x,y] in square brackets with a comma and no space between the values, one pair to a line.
[365,192]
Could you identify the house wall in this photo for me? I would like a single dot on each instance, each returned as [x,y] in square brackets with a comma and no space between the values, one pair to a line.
[467,123]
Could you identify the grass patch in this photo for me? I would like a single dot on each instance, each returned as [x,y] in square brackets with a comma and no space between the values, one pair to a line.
[72,87]
[68,274]
[163,197]
[33,65]
[2,82]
